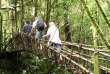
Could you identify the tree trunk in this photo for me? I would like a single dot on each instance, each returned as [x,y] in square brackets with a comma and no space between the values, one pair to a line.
[0,30]
[12,22]
[96,64]
[81,38]
[105,17]
[22,15]
[16,15]
[36,9]
[96,25]
[57,14]
[67,25]
[48,11]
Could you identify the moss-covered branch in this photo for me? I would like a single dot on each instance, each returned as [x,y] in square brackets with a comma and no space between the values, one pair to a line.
[96,26]
[100,8]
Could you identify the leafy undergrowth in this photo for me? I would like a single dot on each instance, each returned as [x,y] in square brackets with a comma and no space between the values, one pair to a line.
[27,63]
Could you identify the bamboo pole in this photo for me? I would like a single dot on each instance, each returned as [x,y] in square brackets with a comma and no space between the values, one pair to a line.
[90,46]
[96,64]
[85,48]
[76,55]
[96,26]
[100,8]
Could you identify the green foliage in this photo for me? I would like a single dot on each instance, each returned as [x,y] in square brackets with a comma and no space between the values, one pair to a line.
[29,63]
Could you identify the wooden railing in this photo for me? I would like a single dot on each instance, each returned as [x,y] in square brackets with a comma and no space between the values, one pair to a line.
[76,57]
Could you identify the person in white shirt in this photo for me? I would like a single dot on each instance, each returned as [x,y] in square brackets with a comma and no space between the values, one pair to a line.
[39,34]
[54,39]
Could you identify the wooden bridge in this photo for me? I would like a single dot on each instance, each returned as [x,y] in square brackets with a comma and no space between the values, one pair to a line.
[77,58]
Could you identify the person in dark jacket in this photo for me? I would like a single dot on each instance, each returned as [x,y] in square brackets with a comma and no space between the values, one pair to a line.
[27,30]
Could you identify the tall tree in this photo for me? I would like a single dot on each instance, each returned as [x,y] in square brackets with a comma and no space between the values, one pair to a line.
[16,14]
[48,11]
[12,21]
[22,15]
[36,7]
[0,29]
[96,25]
[81,39]
[12,16]
[67,24]
[57,14]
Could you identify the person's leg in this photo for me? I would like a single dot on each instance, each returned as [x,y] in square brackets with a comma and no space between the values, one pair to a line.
[51,44]
[37,34]
[58,47]
[38,37]
[42,33]
[26,41]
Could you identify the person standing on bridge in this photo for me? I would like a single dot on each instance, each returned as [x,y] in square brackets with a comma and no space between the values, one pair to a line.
[27,30]
[54,39]
[39,26]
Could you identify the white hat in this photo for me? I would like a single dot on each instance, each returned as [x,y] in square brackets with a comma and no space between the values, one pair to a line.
[51,23]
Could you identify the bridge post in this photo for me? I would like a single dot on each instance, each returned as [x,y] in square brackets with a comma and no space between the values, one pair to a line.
[96,64]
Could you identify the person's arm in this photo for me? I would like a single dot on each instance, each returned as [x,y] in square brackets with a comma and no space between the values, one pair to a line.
[31,30]
[48,33]
[45,36]
[24,30]
[45,25]
[33,26]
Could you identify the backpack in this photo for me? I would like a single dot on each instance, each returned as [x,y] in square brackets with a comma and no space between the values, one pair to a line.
[40,25]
